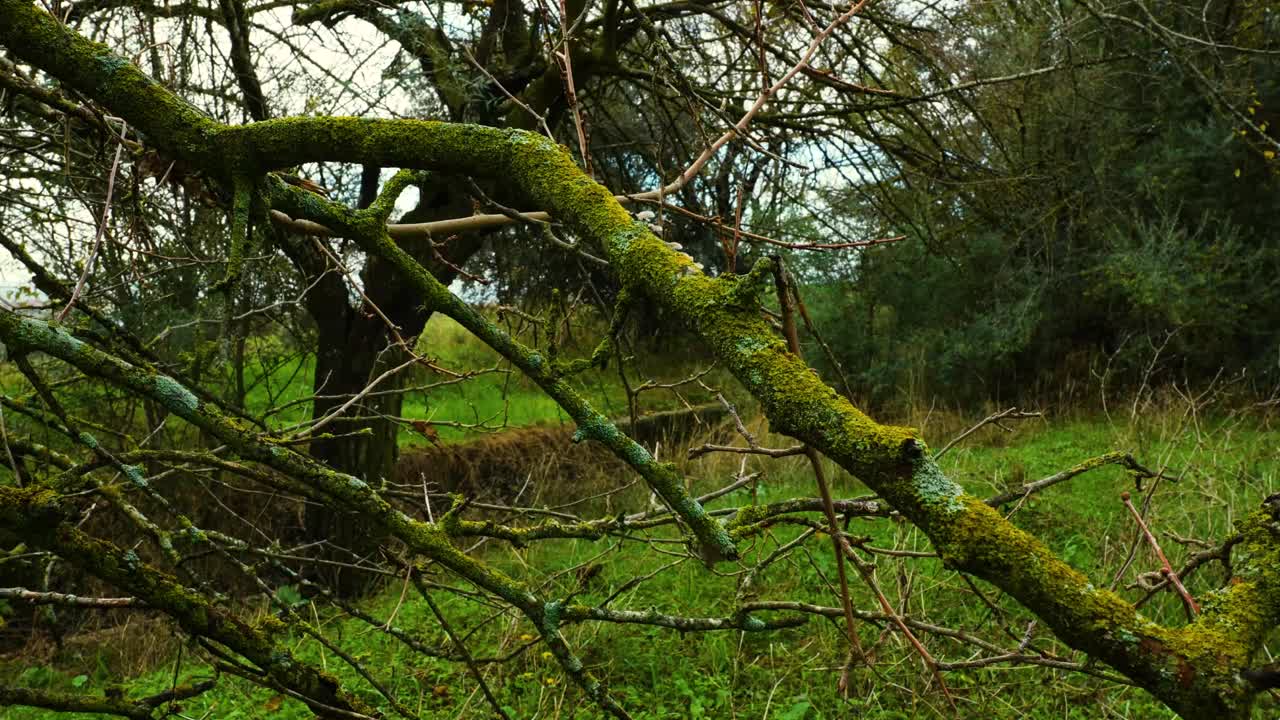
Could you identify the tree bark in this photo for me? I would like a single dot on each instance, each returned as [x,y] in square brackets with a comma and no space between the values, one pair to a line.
[353,347]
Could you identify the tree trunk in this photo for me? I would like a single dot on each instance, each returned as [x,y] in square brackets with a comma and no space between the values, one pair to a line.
[349,355]
[353,347]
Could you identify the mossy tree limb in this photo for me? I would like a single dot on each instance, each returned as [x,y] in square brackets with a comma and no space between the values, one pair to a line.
[368,228]
[318,481]
[39,517]
[1194,672]
[109,704]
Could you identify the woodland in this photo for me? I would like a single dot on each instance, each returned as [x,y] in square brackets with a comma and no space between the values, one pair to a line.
[639,359]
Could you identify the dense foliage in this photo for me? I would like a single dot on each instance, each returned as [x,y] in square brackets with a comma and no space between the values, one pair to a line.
[1114,215]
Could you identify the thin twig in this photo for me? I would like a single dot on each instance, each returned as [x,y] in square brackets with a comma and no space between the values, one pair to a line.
[1012,413]
[824,490]
[102,227]
[53,598]
[1155,545]
[462,650]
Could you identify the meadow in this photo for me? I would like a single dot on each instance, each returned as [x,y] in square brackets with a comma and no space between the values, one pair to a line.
[492,399]
[1214,458]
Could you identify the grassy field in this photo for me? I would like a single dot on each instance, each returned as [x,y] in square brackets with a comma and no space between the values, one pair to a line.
[495,399]
[1223,463]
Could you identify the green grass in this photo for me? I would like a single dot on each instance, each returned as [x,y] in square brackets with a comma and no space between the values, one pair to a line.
[792,674]
[1225,464]
[495,399]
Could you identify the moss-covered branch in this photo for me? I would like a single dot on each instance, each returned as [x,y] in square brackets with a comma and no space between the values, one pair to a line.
[22,335]
[113,703]
[742,621]
[368,228]
[1123,459]
[38,516]
[106,77]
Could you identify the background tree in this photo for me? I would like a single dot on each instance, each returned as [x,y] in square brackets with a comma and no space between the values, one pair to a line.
[1113,200]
